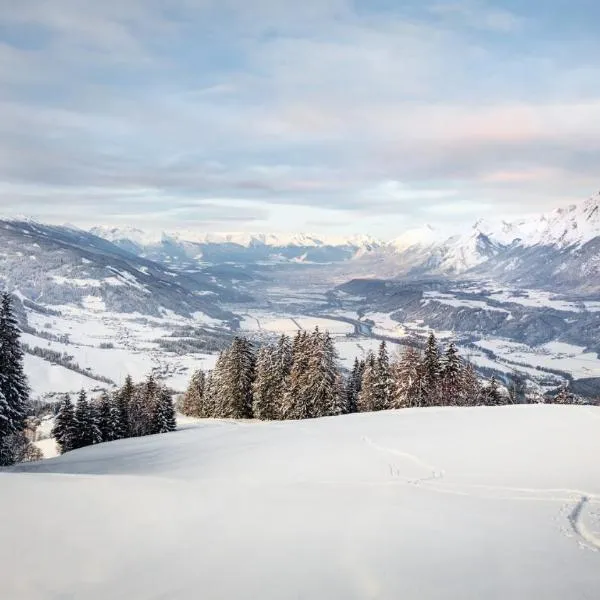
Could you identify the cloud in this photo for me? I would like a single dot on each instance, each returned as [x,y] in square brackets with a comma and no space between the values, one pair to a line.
[479,16]
[168,109]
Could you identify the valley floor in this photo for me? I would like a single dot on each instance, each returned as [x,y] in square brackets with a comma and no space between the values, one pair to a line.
[475,503]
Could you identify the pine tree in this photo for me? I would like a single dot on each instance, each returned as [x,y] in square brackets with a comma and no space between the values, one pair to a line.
[193,400]
[105,418]
[236,379]
[431,371]
[491,394]
[296,404]
[354,385]
[283,367]
[563,396]
[164,420]
[408,379]
[14,392]
[451,377]
[210,396]
[65,430]
[322,382]
[123,400]
[383,379]
[517,389]
[88,432]
[367,397]
[267,385]
[142,408]
[470,388]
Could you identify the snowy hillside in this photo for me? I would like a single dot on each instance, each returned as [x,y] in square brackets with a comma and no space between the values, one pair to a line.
[423,503]
[61,265]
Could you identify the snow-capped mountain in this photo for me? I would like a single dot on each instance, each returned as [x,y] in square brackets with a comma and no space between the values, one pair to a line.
[184,247]
[63,265]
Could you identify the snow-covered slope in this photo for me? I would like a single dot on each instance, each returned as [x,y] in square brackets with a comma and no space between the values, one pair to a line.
[61,265]
[490,503]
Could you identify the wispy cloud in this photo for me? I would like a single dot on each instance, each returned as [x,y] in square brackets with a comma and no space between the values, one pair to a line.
[166,110]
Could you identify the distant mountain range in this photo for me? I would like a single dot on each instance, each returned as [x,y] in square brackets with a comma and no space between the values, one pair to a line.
[131,270]
[556,250]
[62,265]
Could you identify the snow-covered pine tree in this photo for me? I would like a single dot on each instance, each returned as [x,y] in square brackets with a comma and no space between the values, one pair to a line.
[215,392]
[470,387]
[105,418]
[322,382]
[123,400]
[283,366]
[431,371]
[383,379]
[88,432]
[517,389]
[353,385]
[65,430]
[164,420]
[14,391]
[563,396]
[116,424]
[142,407]
[367,397]
[235,381]
[267,385]
[210,396]
[451,377]
[491,394]
[193,399]
[408,380]
[296,404]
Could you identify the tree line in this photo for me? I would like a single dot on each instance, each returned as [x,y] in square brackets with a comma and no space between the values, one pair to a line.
[301,378]
[131,411]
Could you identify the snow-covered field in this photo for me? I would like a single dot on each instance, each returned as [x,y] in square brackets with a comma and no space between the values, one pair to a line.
[554,355]
[135,350]
[490,503]
[261,321]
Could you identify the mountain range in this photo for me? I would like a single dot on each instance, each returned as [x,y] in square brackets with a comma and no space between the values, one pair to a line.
[134,271]
[558,250]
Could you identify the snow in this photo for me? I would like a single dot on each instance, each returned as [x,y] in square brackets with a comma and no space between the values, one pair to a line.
[257,321]
[450,300]
[554,355]
[46,378]
[441,503]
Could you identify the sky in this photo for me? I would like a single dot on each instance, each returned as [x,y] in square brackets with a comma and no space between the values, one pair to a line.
[326,116]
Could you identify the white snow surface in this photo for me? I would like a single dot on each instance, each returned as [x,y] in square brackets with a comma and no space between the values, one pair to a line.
[490,503]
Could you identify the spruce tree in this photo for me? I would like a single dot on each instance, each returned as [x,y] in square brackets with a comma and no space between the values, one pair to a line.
[296,404]
[470,388]
[383,379]
[88,432]
[65,430]
[322,382]
[491,394]
[193,399]
[367,397]
[408,379]
[354,385]
[236,379]
[14,392]
[123,401]
[105,418]
[164,420]
[210,396]
[267,386]
[431,371]
[563,396]
[451,377]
